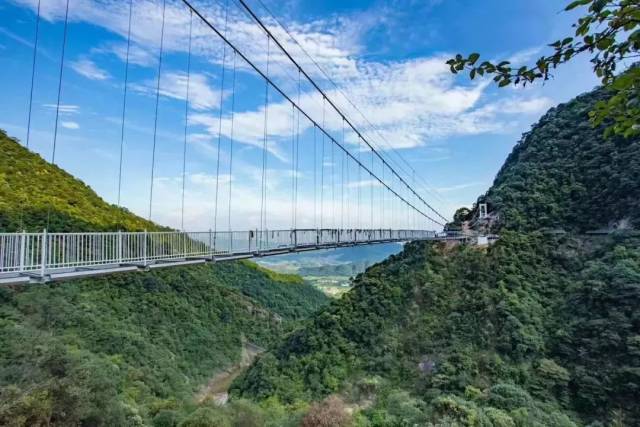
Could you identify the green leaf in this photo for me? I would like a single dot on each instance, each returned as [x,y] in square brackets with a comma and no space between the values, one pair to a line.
[473,58]
[577,3]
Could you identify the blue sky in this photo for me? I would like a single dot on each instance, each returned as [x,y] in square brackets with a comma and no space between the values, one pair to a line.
[386,57]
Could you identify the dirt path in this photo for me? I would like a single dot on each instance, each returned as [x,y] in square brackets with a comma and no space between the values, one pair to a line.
[217,388]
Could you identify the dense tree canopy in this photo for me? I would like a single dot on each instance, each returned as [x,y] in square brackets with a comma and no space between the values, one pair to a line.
[124,349]
[564,174]
[539,329]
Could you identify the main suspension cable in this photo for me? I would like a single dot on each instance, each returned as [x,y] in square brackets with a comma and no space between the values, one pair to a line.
[317,87]
[186,120]
[269,81]
[322,70]
[155,122]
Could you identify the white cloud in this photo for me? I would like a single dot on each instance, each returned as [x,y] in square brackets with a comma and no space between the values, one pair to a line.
[366,183]
[63,108]
[70,125]
[521,57]
[457,187]
[411,102]
[245,205]
[173,84]
[138,55]
[87,68]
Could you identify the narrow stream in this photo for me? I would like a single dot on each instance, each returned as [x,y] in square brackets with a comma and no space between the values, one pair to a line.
[217,389]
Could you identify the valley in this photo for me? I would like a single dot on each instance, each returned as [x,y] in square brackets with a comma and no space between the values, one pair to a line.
[181,181]
[331,271]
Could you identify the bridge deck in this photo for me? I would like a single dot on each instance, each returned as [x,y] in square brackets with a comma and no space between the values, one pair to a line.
[50,257]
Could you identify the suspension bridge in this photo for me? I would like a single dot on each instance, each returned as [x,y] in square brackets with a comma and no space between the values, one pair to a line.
[347,184]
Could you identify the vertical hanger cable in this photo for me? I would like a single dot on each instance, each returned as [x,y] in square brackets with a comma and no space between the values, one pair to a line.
[155,124]
[186,120]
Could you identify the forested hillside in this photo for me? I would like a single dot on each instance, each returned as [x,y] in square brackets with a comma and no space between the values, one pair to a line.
[123,349]
[35,194]
[563,173]
[537,330]
[126,349]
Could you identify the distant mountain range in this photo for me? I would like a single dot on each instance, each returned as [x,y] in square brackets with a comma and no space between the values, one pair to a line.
[332,262]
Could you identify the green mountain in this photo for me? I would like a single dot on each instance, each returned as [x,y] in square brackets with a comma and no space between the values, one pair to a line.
[563,173]
[536,330]
[35,194]
[127,349]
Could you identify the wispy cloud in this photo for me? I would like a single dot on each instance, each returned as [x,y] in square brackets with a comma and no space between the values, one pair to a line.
[138,55]
[87,68]
[411,102]
[522,56]
[462,186]
[173,84]
[63,108]
[70,125]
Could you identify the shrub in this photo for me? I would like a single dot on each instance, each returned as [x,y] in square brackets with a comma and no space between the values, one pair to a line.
[331,412]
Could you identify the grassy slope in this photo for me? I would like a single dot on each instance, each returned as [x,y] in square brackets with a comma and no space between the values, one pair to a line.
[32,189]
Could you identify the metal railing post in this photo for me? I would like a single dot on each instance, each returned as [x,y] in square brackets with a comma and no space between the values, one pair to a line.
[119,247]
[43,250]
[144,249]
[23,241]
[210,243]
[267,243]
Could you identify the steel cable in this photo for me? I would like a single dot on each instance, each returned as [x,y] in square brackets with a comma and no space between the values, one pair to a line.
[186,120]
[155,123]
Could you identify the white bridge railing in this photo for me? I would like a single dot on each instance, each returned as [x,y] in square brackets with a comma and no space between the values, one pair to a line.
[40,254]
